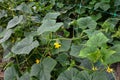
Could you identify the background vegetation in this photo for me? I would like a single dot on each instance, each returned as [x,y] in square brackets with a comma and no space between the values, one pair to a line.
[60,39]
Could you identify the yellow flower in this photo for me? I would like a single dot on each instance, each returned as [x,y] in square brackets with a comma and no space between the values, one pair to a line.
[109,70]
[94,68]
[37,61]
[57,45]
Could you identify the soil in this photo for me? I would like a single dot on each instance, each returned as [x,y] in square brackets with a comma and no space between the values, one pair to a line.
[1,76]
[1,73]
[117,71]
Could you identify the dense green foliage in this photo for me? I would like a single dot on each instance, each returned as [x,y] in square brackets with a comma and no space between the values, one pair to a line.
[60,39]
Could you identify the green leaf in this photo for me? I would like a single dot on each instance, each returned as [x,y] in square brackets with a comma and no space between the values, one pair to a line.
[86,63]
[74,74]
[91,32]
[49,23]
[107,1]
[25,76]
[60,5]
[25,46]
[43,69]
[116,34]
[97,40]
[96,17]
[13,22]
[106,53]
[115,57]
[10,73]
[2,13]
[6,35]
[86,22]
[99,75]
[95,56]
[51,16]
[91,53]
[7,53]
[35,19]
[24,8]
[1,0]
[110,24]
[63,59]
[103,5]
[66,33]
[116,47]
[32,33]
[65,46]
[75,50]
[87,51]
[117,2]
